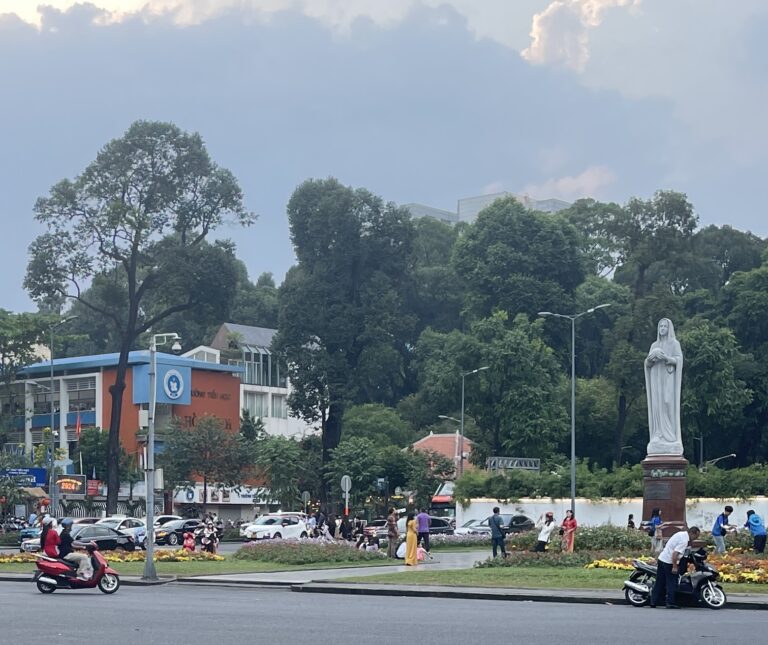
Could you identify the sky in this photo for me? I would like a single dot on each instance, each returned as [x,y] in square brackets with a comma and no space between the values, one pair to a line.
[416,100]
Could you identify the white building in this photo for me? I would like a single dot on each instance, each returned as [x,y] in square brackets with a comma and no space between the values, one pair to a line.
[469,207]
[264,386]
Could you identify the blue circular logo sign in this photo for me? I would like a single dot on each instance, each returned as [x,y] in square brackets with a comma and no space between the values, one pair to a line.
[173,384]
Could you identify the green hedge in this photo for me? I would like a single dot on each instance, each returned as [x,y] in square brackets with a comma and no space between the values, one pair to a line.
[594,483]
[9,539]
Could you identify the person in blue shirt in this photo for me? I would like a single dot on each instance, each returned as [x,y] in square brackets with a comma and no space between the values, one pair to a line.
[720,528]
[757,529]
[653,526]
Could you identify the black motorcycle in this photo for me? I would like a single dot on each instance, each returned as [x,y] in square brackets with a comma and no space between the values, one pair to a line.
[695,587]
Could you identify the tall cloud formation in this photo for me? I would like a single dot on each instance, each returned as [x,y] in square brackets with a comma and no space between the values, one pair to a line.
[560,33]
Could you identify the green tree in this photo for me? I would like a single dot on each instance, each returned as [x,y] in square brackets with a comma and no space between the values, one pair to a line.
[657,248]
[437,295]
[518,404]
[344,330]
[256,304]
[142,211]
[205,452]
[19,333]
[378,423]
[714,397]
[358,458]
[279,461]
[428,469]
[602,229]
[252,428]
[518,260]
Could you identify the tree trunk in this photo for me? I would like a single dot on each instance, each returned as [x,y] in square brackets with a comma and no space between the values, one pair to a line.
[331,439]
[205,494]
[621,423]
[113,441]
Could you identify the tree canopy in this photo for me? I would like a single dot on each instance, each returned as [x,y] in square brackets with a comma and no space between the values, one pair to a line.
[136,223]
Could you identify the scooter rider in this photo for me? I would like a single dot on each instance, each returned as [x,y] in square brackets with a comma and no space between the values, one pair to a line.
[67,552]
[668,561]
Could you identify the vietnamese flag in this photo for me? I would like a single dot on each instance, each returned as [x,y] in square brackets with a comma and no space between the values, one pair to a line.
[77,427]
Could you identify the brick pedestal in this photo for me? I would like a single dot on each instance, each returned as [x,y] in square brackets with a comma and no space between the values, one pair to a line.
[664,488]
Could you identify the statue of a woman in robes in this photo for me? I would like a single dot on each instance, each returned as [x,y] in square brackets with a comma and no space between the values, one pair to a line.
[663,378]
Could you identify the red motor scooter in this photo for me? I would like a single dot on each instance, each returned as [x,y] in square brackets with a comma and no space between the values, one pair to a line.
[54,573]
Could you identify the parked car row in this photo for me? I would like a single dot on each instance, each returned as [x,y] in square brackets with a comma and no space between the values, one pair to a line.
[513,524]
[108,532]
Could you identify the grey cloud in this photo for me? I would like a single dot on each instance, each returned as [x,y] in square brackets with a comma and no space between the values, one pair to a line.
[419,112]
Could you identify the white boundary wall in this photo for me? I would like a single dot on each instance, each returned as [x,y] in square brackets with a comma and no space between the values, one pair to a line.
[701,512]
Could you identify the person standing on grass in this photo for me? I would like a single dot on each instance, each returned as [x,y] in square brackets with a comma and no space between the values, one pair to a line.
[422,526]
[631,522]
[411,541]
[546,524]
[665,586]
[757,529]
[720,528]
[568,527]
[496,523]
[392,534]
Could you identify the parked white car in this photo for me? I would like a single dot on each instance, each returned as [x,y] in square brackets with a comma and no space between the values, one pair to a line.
[276,526]
[127,525]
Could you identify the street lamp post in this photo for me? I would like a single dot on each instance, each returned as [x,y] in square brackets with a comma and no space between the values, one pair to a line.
[701,453]
[573,318]
[149,465]
[461,423]
[53,415]
[712,462]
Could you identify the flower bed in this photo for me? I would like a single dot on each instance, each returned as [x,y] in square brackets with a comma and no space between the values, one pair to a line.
[137,556]
[734,566]
[305,552]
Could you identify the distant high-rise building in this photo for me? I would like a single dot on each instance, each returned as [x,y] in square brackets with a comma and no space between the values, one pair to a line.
[469,207]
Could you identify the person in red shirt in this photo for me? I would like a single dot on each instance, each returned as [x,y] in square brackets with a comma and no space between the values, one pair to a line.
[568,531]
[49,538]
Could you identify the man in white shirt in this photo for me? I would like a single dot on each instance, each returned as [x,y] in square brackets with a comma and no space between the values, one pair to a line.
[667,566]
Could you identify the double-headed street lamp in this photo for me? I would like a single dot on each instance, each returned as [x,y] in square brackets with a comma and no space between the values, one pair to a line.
[149,466]
[573,318]
[53,414]
[461,423]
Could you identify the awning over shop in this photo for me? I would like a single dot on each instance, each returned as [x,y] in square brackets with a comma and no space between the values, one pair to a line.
[35,492]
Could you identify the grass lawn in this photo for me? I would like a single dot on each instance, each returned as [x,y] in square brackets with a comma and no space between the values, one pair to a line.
[523,577]
[203,568]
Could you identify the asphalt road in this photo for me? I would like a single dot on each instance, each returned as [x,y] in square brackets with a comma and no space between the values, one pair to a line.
[227,615]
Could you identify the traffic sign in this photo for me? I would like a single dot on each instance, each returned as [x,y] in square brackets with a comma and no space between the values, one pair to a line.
[305,496]
[346,483]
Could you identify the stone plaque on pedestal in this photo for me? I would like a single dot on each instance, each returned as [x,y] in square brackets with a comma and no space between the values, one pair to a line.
[664,488]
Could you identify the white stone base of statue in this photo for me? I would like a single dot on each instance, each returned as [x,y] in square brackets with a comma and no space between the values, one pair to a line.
[658,448]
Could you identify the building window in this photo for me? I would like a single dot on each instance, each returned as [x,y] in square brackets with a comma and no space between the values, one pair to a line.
[82,401]
[279,406]
[256,404]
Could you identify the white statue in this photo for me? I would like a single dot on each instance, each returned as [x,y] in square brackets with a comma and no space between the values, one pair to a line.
[663,378]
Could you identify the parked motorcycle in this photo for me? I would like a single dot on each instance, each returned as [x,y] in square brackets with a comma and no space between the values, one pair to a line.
[697,586]
[54,573]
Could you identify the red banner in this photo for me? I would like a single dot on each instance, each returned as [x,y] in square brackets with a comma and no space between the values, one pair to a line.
[92,486]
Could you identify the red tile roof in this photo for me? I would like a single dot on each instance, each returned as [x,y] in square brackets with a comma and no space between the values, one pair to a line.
[444,444]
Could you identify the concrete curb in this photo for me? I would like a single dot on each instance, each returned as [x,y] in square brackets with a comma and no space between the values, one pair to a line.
[518,595]
[198,580]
